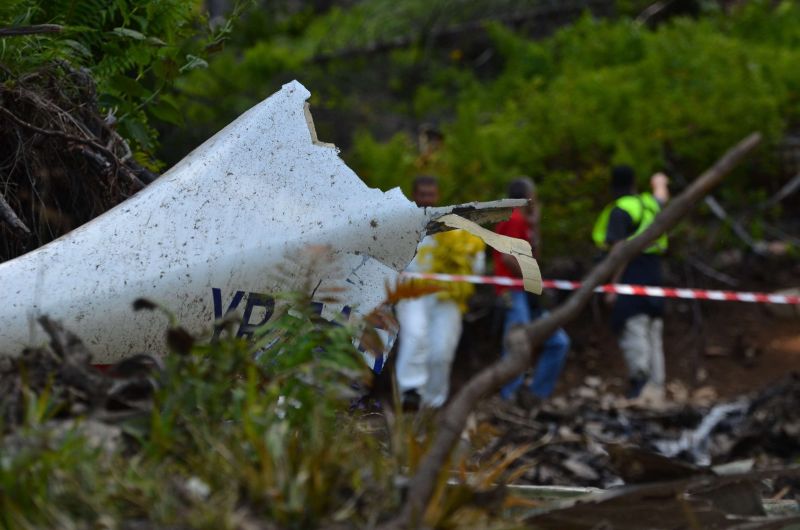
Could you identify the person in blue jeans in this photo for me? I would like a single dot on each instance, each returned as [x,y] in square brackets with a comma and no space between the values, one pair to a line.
[553,354]
[521,308]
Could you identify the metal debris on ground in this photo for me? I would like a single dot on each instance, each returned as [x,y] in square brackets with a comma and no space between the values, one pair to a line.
[576,438]
[56,388]
[629,464]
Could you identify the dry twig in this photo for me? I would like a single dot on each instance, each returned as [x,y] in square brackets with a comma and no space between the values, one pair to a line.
[111,157]
[7,214]
[786,190]
[62,162]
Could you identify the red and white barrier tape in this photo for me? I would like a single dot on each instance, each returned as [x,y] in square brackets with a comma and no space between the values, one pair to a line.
[635,290]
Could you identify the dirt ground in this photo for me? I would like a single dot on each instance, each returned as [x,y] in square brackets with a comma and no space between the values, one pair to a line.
[734,348]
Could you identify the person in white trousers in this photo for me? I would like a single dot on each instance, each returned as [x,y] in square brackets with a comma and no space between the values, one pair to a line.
[430,326]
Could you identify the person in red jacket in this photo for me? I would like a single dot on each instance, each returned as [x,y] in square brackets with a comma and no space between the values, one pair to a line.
[520,308]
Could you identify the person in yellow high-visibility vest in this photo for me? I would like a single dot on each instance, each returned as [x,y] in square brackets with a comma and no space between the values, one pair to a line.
[637,320]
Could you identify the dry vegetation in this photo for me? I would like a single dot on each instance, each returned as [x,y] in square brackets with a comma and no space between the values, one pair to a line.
[62,162]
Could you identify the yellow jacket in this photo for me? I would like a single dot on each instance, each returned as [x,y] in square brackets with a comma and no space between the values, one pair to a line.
[453,252]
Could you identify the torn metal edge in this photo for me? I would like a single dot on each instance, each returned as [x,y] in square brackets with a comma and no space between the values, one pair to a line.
[477,212]
[313,130]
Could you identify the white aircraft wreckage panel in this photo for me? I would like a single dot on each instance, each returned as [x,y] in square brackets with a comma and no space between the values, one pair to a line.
[260,208]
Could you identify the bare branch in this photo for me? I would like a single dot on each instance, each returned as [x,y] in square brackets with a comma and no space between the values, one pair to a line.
[7,214]
[712,273]
[18,31]
[787,189]
[740,232]
[454,416]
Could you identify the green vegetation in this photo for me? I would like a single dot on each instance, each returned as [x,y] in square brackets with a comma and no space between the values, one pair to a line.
[562,109]
[134,49]
[235,435]
[606,92]
[508,99]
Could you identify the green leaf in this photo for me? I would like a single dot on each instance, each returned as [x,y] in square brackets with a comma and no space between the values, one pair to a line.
[166,111]
[134,130]
[192,62]
[127,86]
[129,33]
[76,46]
[108,101]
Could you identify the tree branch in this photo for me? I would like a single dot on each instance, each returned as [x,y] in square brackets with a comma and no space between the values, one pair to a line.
[738,230]
[716,209]
[521,340]
[711,272]
[7,214]
[17,31]
[787,189]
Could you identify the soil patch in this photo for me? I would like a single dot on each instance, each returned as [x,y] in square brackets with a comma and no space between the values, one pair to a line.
[734,348]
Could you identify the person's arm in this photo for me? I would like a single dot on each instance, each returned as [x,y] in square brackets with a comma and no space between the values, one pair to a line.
[660,186]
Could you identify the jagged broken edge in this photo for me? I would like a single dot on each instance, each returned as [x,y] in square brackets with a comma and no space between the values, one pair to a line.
[477,212]
[468,216]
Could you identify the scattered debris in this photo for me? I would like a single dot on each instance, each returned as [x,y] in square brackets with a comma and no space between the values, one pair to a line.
[650,463]
[703,501]
[576,439]
[62,382]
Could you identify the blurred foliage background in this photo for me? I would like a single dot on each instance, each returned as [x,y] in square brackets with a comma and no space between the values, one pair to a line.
[476,92]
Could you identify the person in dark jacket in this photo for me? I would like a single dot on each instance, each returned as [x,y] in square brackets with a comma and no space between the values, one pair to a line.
[637,320]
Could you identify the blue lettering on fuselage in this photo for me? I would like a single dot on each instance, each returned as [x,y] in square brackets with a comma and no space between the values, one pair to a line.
[267,302]
[246,327]
[254,300]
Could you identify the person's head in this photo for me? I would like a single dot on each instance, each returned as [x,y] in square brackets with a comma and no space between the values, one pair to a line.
[521,188]
[623,180]
[524,188]
[425,191]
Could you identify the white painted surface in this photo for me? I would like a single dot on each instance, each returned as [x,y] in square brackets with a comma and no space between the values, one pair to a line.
[237,214]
